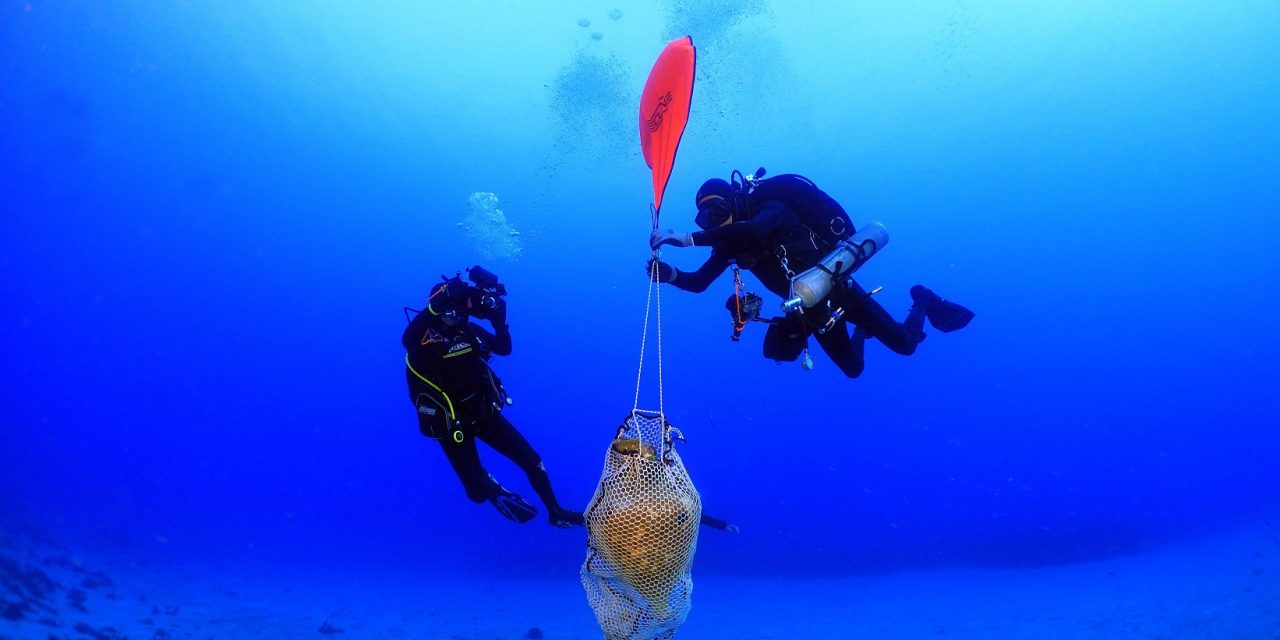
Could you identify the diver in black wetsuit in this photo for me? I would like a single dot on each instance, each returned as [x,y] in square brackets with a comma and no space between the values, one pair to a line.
[770,231]
[460,399]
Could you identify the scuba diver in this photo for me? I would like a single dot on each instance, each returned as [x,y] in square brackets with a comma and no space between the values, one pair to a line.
[787,232]
[459,398]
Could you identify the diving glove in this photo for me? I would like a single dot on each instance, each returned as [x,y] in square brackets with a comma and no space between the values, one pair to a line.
[666,273]
[660,237]
[513,507]
[497,314]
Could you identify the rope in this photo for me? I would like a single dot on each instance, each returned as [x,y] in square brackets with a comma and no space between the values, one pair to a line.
[661,407]
[649,303]
[644,335]
[654,271]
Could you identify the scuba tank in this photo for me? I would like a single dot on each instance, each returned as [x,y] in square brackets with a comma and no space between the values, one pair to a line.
[812,286]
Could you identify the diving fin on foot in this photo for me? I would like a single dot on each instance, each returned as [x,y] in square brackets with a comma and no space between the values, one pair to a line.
[566,519]
[944,315]
[513,507]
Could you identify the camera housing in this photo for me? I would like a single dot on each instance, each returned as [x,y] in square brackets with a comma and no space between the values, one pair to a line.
[487,284]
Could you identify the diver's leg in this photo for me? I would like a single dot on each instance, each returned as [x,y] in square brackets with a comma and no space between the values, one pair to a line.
[915,322]
[844,350]
[500,434]
[480,485]
[717,523]
[465,460]
[863,310]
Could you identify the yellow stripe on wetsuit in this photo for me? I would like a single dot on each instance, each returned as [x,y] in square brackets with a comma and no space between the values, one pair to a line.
[452,415]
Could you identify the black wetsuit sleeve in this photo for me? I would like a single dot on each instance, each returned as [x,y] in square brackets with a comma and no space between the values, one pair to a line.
[498,340]
[698,281]
[769,218]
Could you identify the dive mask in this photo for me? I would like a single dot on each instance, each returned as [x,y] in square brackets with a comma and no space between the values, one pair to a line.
[713,210]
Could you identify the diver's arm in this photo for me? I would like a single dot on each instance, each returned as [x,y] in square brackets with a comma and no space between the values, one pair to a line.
[498,341]
[698,281]
[769,218]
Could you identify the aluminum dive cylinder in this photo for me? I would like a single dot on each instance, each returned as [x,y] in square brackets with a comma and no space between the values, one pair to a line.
[812,286]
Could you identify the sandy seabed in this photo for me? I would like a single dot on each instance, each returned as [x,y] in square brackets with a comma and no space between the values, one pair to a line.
[1227,586]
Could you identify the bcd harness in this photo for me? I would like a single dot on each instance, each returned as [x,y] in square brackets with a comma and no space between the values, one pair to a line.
[825,220]
[429,408]
[436,412]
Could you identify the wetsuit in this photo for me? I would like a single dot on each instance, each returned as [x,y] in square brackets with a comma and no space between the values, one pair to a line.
[456,359]
[716,523]
[758,245]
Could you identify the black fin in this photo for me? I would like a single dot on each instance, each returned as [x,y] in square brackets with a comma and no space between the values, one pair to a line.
[946,316]
[943,315]
[514,507]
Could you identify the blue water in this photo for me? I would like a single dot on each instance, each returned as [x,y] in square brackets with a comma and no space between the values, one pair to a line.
[213,214]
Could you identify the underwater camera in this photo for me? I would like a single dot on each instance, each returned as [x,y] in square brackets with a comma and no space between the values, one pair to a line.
[487,282]
[742,309]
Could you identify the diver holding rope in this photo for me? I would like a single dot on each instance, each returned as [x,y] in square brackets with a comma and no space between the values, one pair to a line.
[459,398]
[783,229]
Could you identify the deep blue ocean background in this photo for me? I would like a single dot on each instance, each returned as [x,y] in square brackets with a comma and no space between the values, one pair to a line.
[211,215]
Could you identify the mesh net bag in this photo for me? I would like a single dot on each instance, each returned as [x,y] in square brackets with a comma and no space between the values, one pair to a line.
[642,531]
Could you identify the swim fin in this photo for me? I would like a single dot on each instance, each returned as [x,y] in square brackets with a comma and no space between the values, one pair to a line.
[944,315]
[513,507]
